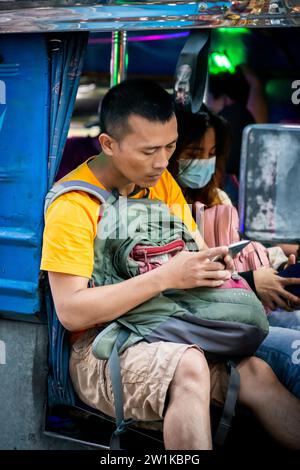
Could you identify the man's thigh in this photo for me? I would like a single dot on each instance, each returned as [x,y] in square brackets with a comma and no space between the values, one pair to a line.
[147,370]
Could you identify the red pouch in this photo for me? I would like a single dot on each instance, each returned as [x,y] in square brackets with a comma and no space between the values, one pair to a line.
[151,257]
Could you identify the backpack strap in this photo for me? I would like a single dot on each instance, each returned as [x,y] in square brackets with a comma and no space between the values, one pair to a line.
[76,185]
[116,380]
[229,405]
[60,387]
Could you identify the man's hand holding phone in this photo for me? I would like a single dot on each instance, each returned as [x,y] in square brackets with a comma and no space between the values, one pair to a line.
[234,249]
[196,269]
[225,259]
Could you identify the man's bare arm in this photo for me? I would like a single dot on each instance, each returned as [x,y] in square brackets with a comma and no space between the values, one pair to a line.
[79,307]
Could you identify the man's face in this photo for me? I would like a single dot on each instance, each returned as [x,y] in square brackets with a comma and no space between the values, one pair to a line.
[142,155]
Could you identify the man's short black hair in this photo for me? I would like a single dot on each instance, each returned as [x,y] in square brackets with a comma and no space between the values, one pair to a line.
[137,96]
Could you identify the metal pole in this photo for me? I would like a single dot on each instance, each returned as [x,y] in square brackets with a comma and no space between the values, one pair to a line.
[119,58]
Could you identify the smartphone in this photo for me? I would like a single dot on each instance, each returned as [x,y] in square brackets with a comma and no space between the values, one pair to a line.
[234,249]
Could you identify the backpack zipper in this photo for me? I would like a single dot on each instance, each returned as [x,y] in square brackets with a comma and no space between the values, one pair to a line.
[153,250]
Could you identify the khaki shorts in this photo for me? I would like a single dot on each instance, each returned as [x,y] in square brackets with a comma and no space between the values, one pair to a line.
[147,370]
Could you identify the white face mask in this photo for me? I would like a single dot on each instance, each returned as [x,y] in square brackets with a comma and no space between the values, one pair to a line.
[196,174]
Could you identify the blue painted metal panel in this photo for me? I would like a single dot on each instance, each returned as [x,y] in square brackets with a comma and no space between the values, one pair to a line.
[24,125]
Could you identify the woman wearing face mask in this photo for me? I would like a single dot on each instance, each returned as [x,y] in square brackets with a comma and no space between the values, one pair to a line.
[199,161]
[198,165]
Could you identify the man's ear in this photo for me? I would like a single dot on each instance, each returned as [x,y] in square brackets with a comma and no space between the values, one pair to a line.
[106,143]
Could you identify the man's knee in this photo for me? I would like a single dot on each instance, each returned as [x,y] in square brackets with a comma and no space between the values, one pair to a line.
[192,374]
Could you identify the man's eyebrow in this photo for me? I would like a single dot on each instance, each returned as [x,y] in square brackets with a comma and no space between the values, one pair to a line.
[152,147]
[173,142]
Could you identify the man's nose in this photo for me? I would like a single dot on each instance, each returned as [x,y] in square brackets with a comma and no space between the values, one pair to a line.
[162,159]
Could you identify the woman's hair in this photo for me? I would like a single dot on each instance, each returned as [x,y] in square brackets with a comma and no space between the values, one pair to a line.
[191,128]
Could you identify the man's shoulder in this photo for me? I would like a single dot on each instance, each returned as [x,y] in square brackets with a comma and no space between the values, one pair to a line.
[84,184]
[74,199]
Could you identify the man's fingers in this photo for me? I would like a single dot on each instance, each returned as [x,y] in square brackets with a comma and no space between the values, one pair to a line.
[228,259]
[229,263]
[210,283]
[214,266]
[212,252]
[224,275]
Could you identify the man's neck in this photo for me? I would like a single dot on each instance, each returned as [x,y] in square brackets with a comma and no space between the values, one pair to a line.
[109,177]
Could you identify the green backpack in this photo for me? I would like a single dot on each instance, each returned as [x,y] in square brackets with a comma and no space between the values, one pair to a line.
[137,235]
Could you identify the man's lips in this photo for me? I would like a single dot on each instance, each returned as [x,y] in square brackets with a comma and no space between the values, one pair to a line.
[156,175]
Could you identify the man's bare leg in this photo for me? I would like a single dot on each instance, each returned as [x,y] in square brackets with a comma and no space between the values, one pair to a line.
[187,419]
[274,406]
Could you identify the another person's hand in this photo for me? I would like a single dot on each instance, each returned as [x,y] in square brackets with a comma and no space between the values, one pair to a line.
[290,249]
[291,260]
[187,270]
[271,289]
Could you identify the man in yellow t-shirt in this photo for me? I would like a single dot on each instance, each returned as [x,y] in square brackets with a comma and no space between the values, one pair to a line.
[169,380]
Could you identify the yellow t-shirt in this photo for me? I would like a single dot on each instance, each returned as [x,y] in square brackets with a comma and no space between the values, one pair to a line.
[71,222]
